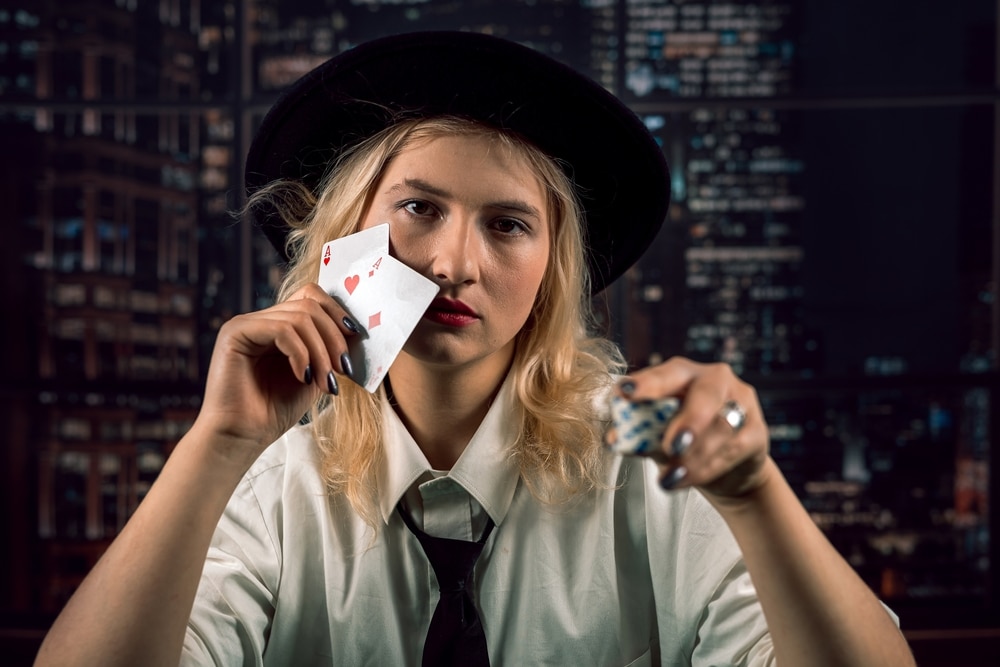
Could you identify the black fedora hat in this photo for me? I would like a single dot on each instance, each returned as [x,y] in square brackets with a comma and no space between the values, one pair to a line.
[617,167]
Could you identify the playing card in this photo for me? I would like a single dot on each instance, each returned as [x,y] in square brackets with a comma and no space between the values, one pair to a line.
[640,425]
[385,298]
[341,255]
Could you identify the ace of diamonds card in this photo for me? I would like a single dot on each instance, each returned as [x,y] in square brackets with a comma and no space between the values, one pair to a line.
[385,298]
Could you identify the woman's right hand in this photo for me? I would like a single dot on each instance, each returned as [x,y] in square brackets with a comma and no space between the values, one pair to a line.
[269,366]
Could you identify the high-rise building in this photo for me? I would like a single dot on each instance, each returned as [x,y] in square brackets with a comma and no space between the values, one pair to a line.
[103,362]
[828,238]
[777,258]
[737,199]
[288,40]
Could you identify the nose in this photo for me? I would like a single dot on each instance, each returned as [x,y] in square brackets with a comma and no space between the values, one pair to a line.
[456,257]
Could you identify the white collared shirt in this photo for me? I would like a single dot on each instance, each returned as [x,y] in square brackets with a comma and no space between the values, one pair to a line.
[629,575]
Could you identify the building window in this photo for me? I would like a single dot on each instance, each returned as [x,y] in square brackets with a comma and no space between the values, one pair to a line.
[69,294]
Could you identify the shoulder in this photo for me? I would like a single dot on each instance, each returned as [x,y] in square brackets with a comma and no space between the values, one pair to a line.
[296,447]
[289,465]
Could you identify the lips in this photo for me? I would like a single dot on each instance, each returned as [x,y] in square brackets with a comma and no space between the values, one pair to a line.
[452,305]
[450,312]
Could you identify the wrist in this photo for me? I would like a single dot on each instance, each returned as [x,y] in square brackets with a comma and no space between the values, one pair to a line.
[229,454]
[768,484]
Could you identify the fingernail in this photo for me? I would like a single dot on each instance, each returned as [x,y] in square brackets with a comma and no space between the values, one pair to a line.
[345,365]
[331,384]
[351,324]
[681,443]
[308,376]
[673,478]
[627,387]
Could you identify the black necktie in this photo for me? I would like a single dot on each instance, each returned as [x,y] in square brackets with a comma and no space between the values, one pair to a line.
[455,636]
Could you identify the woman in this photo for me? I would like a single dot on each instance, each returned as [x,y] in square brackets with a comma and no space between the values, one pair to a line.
[322,548]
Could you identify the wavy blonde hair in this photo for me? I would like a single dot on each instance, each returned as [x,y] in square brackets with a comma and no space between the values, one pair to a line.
[559,365]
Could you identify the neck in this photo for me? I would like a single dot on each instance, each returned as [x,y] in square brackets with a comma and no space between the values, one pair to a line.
[443,406]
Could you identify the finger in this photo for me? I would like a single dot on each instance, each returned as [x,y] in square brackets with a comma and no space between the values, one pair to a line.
[333,323]
[673,477]
[709,387]
[337,312]
[258,334]
[732,472]
[724,454]
[333,332]
[719,449]
[716,445]
[667,379]
[323,339]
[702,388]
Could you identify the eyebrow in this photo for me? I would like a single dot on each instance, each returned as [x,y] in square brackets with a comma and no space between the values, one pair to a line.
[423,186]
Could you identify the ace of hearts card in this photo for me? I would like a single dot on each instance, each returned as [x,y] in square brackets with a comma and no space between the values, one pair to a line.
[385,297]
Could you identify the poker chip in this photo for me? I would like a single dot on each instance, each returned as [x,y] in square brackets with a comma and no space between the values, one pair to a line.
[639,425]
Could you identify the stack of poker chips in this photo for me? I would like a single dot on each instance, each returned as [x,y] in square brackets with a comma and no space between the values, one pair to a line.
[639,425]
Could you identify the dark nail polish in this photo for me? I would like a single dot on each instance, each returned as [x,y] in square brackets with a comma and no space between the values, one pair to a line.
[350,324]
[673,478]
[627,387]
[345,365]
[681,442]
[308,377]
[331,383]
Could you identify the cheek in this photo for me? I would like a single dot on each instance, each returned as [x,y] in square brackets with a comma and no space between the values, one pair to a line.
[406,248]
[413,250]
[523,283]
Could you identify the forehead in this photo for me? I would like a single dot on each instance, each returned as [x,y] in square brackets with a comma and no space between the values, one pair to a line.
[471,161]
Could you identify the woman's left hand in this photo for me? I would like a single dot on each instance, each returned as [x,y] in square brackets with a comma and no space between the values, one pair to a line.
[718,440]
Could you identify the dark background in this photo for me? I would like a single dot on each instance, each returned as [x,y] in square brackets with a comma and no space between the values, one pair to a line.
[833,236]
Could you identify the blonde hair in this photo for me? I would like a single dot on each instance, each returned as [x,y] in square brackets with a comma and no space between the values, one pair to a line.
[559,366]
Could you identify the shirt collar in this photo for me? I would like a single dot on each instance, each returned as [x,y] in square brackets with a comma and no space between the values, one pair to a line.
[486,470]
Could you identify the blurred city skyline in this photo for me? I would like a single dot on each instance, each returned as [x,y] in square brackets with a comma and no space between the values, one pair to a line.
[833,236]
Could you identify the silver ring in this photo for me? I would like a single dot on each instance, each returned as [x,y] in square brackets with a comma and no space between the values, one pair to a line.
[734,415]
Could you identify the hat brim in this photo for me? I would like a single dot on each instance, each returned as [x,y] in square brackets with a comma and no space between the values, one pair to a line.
[619,171]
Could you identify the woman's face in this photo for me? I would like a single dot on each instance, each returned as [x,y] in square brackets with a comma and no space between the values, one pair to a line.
[470,215]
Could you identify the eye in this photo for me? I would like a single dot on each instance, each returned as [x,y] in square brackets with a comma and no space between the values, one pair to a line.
[510,226]
[417,207]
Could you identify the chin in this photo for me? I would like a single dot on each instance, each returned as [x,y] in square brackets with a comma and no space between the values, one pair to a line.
[438,353]
[448,352]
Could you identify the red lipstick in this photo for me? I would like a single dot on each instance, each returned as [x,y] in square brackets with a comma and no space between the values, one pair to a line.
[450,312]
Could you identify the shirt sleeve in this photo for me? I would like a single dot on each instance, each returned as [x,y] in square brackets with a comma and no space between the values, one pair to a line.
[234,606]
[707,608]
[733,630]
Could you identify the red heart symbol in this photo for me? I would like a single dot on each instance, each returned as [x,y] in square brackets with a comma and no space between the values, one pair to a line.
[326,260]
[351,283]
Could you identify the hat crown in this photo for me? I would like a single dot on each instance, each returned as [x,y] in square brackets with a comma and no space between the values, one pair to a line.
[618,170]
